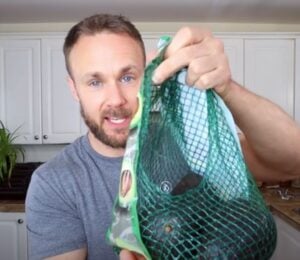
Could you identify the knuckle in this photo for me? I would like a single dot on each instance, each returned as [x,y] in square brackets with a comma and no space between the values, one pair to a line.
[204,81]
[187,31]
[218,45]
[207,33]
[194,67]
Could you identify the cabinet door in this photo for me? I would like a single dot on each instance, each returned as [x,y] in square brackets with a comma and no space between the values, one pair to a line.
[269,70]
[288,241]
[61,115]
[13,238]
[20,88]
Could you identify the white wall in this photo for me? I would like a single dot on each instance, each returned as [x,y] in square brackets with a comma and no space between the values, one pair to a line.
[41,153]
[159,27]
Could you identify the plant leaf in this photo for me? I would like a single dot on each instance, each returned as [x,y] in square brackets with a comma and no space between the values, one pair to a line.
[8,152]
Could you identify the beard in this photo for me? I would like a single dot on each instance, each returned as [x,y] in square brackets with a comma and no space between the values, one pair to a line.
[116,140]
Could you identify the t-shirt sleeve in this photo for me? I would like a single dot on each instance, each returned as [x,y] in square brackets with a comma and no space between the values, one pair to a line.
[53,222]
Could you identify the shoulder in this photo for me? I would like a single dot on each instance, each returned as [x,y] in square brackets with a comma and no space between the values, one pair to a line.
[58,175]
[64,162]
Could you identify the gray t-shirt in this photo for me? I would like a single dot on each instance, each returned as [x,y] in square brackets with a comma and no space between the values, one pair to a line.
[69,203]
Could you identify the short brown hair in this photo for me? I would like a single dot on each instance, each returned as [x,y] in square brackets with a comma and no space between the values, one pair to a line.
[97,24]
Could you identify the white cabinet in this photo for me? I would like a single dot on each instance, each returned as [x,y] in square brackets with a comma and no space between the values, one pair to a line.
[269,70]
[34,92]
[61,118]
[20,84]
[288,241]
[13,236]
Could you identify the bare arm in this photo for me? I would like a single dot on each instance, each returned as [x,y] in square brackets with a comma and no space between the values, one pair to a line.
[271,141]
[79,254]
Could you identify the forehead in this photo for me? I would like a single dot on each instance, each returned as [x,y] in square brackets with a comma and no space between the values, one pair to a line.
[106,41]
[105,49]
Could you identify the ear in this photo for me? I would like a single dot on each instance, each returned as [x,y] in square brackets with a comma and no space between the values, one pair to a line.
[72,88]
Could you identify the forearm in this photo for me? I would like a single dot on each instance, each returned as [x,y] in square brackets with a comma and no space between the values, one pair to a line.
[272,135]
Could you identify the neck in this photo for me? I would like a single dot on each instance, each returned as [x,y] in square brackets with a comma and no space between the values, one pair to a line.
[104,149]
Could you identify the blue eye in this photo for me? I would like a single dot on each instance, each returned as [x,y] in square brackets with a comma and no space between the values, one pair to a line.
[95,83]
[126,78]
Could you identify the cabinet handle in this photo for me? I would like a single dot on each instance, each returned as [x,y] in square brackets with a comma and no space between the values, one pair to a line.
[45,136]
[20,221]
[36,137]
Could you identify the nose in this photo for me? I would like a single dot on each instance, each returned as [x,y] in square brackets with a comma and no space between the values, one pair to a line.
[115,97]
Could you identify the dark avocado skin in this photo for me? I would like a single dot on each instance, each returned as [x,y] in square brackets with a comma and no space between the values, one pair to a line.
[224,231]
[189,181]
[194,220]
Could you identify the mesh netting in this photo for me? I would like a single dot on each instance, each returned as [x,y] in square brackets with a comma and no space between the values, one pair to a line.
[196,198]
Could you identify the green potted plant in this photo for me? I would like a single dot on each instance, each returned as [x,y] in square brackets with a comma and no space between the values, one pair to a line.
[8,152]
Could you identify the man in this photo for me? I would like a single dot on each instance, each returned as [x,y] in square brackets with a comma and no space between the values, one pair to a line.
[70,199]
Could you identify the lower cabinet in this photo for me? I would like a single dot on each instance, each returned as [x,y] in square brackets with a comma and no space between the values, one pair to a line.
[13,236]
[288,241]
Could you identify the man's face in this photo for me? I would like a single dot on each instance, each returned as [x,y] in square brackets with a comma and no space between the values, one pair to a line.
[107,70]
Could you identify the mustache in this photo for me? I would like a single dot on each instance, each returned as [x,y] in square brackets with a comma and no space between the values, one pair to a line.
[116,112]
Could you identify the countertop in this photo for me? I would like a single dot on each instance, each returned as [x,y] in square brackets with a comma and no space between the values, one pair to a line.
[281,208]
[284,208]
[12,206]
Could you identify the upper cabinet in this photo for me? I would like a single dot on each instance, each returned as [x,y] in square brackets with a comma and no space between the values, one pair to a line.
[35,98]
[34,95]
[61,118]
[269,70]
[20,85]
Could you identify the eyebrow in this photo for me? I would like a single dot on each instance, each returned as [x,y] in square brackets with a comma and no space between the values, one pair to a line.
[99,75]
[129,68]
[92,75]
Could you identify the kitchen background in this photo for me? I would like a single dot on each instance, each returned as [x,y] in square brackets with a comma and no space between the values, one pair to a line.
[261,38]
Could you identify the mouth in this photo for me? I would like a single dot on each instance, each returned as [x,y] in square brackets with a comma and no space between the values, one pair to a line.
[118,122]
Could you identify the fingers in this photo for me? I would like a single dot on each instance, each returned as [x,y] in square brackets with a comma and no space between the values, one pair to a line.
[180,59]
[186,36]
[202,54]
[201,66]
[185,45]
[127,255]
[216,78]
[209,72]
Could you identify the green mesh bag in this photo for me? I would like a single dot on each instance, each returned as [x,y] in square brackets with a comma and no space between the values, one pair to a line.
[185,191]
